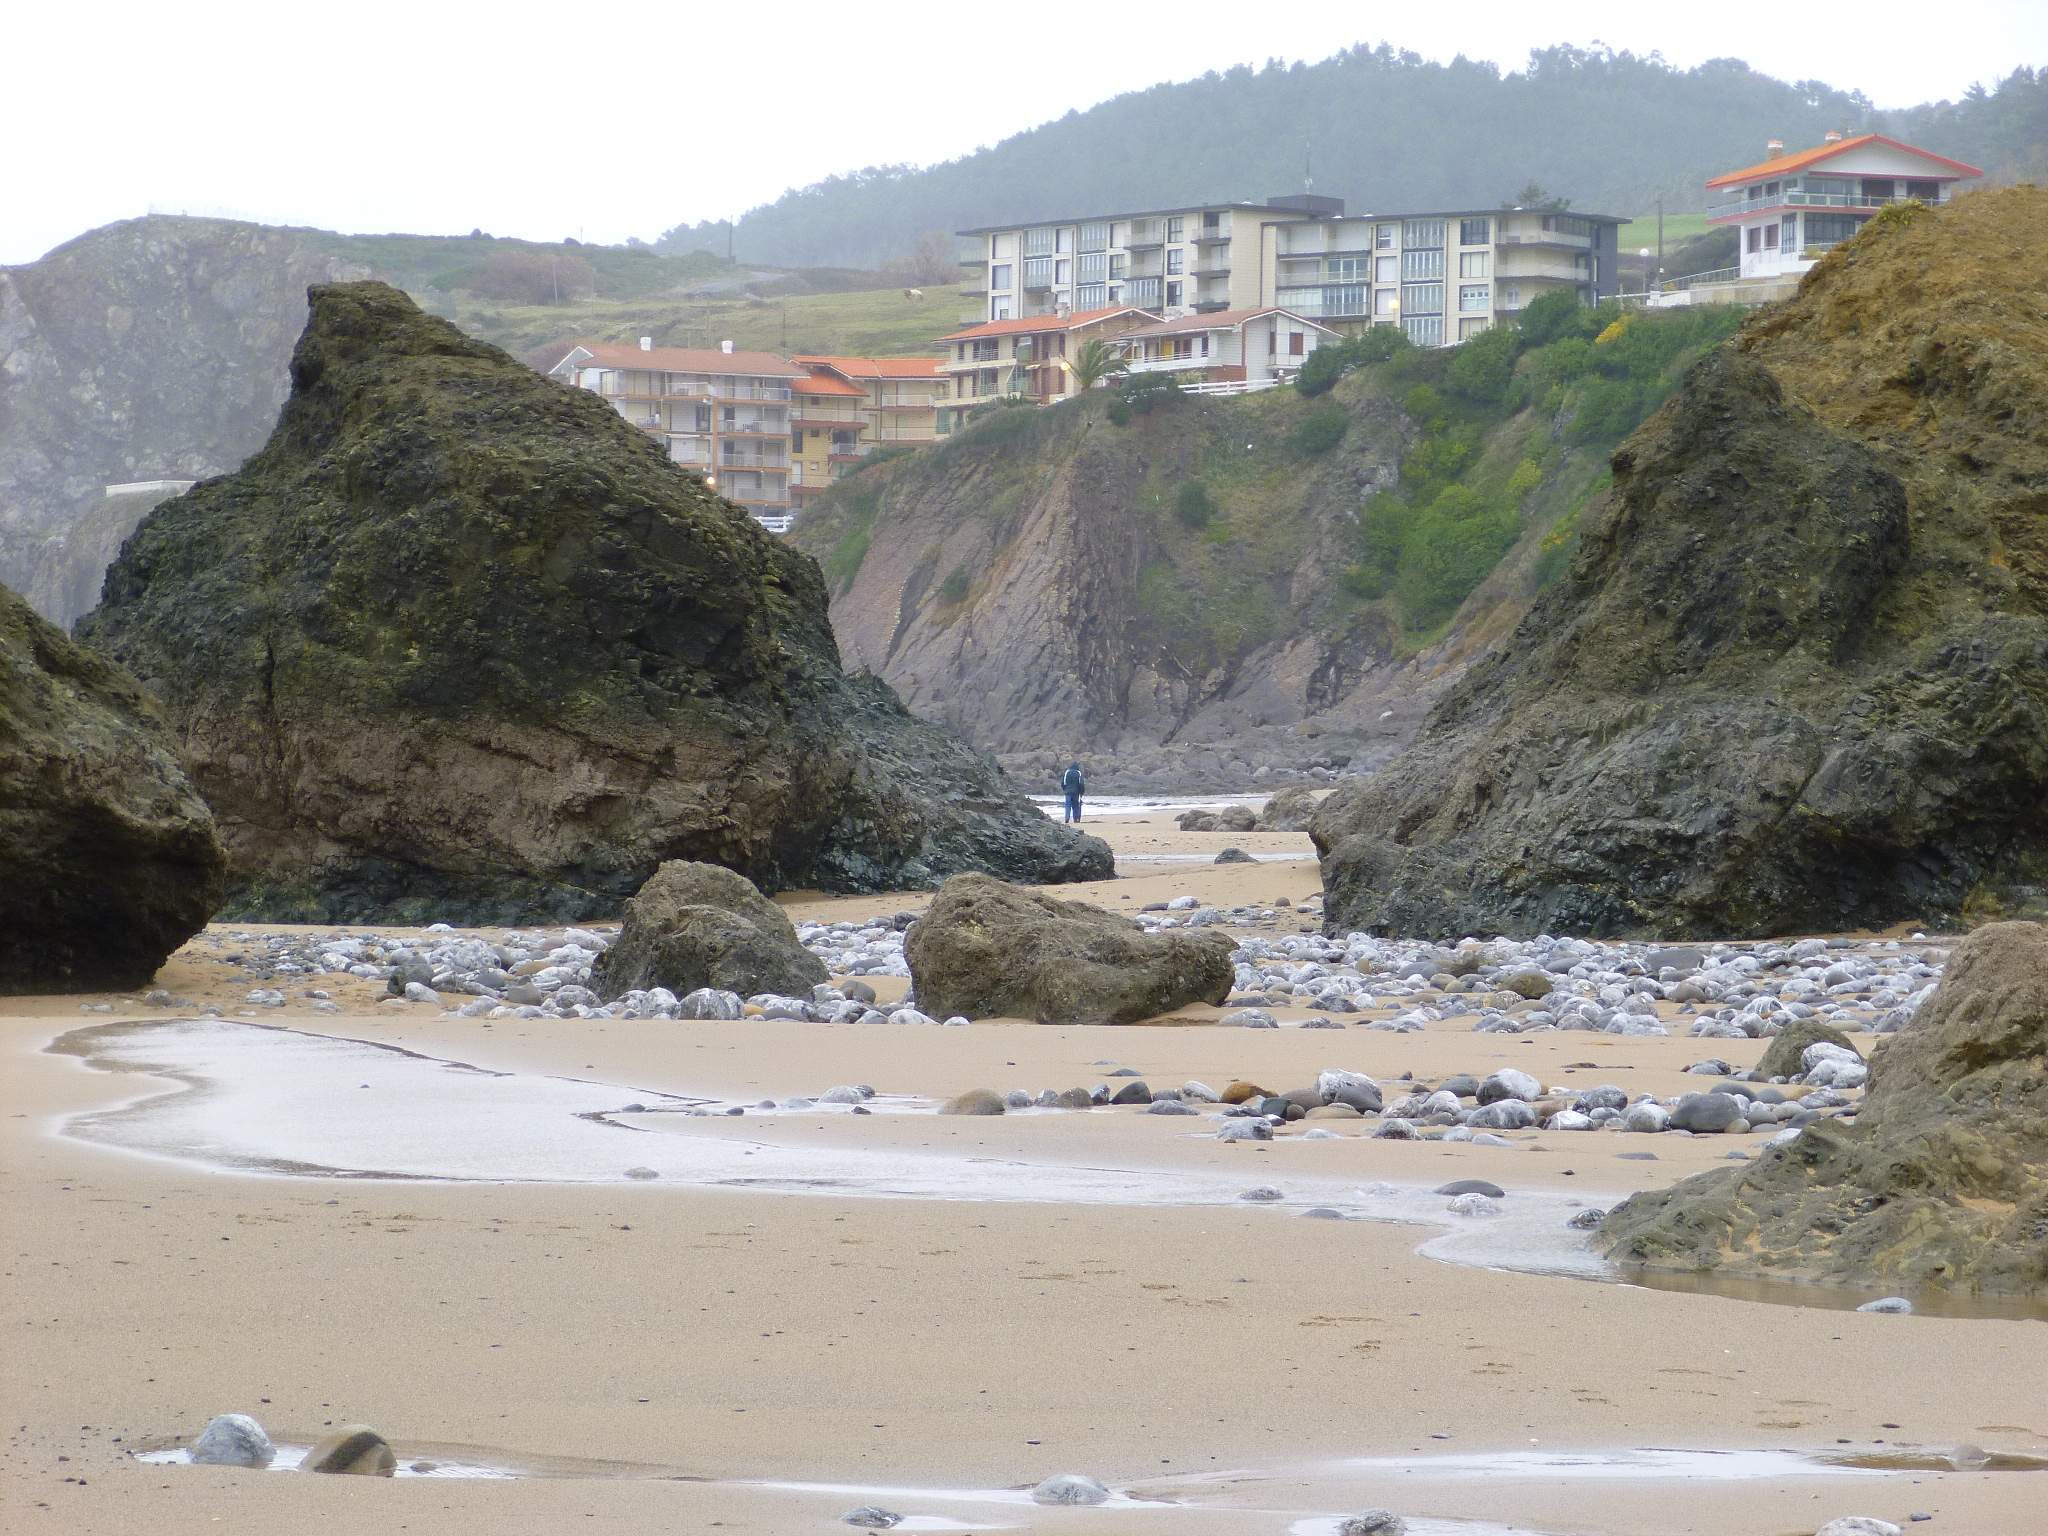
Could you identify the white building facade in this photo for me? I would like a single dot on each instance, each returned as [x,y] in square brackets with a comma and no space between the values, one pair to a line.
[1789,209]
[1249,347]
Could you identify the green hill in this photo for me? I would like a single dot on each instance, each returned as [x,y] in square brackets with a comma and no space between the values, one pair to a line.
[1387,130]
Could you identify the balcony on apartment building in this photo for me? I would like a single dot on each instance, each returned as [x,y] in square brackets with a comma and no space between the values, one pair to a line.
[1209,234]
[1867,194]
[1146,235]
[1514,266]
[1144,292]
[824,417]
[731,457]
[1038,273]
[672,387]
[1561,239]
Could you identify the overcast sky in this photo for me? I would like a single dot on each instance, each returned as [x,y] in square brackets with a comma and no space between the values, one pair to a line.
[604,121]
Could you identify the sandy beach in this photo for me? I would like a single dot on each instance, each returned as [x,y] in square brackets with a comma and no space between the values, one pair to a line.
[761,1354]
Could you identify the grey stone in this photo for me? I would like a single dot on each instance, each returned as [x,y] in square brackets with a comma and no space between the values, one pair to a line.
[700,925]
[1706,1112]
[1070,1488]
[1472,1187]
[871,1518]
[1509,1083]
[233,1440]
[1373,1522]
[1894,1305]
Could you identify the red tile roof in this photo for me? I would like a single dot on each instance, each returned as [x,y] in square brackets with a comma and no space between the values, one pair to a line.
[608,354]
[1784,165]
[815,383]
[1220,320]
[878,367]
[1031,323]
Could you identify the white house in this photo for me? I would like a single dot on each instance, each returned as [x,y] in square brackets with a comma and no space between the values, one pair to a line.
[1790,208]
[1253,347]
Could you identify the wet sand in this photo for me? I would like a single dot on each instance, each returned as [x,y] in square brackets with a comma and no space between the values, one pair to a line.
[1229,1358]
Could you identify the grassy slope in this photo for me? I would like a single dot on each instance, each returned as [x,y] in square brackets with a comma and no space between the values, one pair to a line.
[878,322]
[1633,236]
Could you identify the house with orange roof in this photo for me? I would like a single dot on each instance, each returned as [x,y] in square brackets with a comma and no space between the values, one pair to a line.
[1254,348]
[723,413]
[1789,208]
[907,398]
[828,428]
[1028,357]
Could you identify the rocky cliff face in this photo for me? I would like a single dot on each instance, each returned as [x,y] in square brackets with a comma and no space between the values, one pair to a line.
[108,859]
[147,350]
[1940,1181]
[1041,584]
[1798,677]
[459,642]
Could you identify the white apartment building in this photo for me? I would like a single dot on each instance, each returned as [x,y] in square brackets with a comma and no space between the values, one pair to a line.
[1172,261]
[1788,209]
[721,412]
[1443,276]
[1252,347]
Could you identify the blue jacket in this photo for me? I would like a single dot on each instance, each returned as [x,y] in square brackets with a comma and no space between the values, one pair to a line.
[1073,783]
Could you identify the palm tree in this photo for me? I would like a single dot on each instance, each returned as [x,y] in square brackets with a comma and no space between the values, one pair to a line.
[1094,362]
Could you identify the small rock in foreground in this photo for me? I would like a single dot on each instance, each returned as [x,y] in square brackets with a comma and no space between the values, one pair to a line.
[870,1518]
[355,1449]
[1070,1488]
[233,1440]
[1373,1522]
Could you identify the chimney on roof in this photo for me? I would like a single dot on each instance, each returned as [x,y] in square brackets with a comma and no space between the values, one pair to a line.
[725,347]
[1773,148]
[1832,136]
[646,343]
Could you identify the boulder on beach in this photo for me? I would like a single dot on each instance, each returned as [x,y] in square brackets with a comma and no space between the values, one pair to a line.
[353,1449]
[975,1101]
[108,858]
[1782,1057]
[984,949]
[1796,679]
[698,925]
[462,643]
[1940,1181]
[1288,811]
[1070,1488]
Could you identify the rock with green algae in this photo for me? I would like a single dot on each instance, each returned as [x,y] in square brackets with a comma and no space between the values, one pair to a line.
[108,859]
[461,643]
[1940,1181]
[1797,680]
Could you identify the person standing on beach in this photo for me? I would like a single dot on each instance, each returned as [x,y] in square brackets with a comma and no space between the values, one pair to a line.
[1075,786]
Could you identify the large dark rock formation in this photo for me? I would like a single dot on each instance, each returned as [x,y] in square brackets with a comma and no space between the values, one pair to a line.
[1798,676]
[984,949]
[1941,1180]
[461,643]
[696,925]
[108,859]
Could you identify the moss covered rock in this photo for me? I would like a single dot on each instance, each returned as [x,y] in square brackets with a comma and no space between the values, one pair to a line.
[1797,680]
[696,925]
[108,859]
[1940,1181]
[461,643]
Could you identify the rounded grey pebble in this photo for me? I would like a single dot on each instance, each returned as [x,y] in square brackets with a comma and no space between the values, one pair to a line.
[1070,1488]
[233,1440]
[1472,1187]
[1324,1213]
[870,1518]
[1893,1305]
[642,1173]
[1262,1194]
[1373,1522]
[1170,1107]
[1586,1220]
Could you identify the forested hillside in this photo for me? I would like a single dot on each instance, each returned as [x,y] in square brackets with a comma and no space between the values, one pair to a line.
[1387,130]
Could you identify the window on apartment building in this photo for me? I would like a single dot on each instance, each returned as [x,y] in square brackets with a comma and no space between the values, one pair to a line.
[1386,269]
[1475,231]
[1422,299]
[1475,296]
[1173,295]
[1383,301]
[1037,242]
[1420,264]
[1825,229]
[1752,240]
[1091,296]
[1296,344]
[1212,223]
[1770,237]
[1062,273]
[1175,260]
[1347,269]
[1346,300]
[1425,330]
[1000,275]
[999,312]
[1475,263]
[1063,240]
[1119,264]
[1421,232]
[1468,328]
[1205,343]
[1174,228]
[1772,188]
[796,440]
[1095,236]
[1094,267]
[1383,237]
